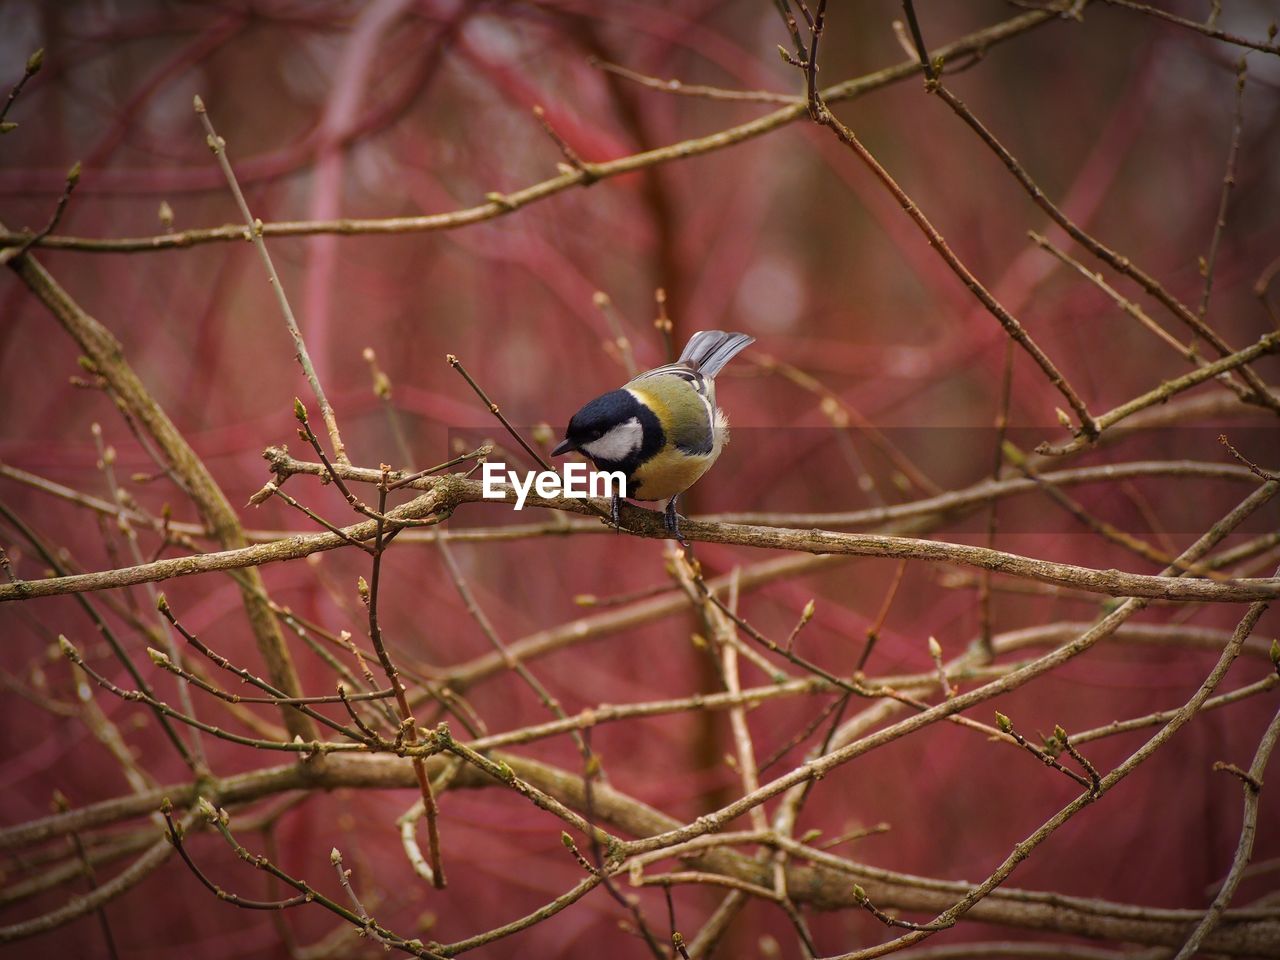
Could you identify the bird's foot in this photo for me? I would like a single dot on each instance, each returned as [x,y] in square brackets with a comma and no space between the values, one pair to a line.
[671,520]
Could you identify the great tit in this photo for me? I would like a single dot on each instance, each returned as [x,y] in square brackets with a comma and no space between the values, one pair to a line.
[661,429]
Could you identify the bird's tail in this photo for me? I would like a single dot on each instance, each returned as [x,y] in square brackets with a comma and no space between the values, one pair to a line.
[709,350]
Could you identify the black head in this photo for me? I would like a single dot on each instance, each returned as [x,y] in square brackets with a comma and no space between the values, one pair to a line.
[604,430]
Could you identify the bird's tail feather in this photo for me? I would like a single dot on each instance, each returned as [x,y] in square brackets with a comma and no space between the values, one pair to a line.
[709,350]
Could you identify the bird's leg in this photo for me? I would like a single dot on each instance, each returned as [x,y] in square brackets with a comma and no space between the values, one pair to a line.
[615,513]
[671,520]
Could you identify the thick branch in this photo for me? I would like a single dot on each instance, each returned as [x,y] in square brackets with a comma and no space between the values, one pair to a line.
[449,492]
[107,355]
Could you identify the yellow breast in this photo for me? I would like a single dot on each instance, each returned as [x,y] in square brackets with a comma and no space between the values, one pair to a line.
[669,473]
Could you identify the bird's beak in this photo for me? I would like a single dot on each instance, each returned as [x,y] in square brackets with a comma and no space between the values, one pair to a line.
[563,447]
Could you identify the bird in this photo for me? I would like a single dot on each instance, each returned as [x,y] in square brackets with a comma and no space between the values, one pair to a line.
[662,428]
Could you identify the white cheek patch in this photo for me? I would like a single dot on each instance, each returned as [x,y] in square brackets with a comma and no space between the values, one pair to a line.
[618,444]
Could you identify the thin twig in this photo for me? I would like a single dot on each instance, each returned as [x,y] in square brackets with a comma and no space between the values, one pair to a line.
[1088,428]
[101,625]
[694,89]
[1204,28]
[1244,849]
[73,178]
[1128,306]
[993,520]
[873,630]
[90,878]
[369,594]
[1259,391]
[254,231]
[1266,344]
[621,341]
[34,62]
[1006,726]
[1210,262]
[570,155]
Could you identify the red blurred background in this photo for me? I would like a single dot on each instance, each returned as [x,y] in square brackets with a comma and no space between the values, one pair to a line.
[400,108]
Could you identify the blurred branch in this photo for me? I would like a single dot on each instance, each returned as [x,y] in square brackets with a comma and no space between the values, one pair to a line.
[141,868]
[1189,353]
[507,203]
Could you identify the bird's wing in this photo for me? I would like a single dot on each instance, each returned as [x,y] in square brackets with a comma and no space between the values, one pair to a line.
[685,403]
